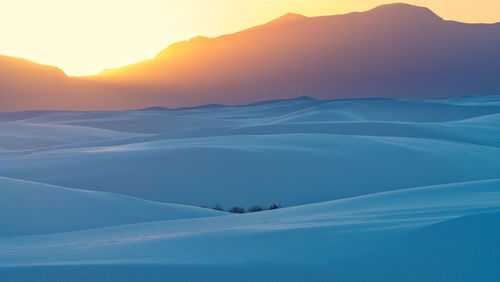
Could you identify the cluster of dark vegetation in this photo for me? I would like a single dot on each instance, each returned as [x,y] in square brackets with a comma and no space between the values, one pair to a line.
[237,209]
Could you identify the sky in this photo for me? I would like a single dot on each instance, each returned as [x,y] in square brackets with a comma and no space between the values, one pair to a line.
[83,37]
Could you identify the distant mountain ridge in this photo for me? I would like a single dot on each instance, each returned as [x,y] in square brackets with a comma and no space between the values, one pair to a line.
[393,51]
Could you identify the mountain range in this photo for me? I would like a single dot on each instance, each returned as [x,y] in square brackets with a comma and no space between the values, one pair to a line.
[393,51]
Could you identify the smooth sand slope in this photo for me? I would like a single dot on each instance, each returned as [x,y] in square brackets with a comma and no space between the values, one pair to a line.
[306,150]
[437,233]
[28,208]
[372,189]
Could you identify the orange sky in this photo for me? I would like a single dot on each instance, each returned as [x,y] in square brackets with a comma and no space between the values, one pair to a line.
[85,36]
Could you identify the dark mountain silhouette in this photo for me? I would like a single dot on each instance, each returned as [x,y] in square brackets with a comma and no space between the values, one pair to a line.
[394,51]
[25,85]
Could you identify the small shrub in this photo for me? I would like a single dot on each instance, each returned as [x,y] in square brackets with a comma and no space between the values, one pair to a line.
[237,210]
[255,209]
[274,206]
[218,208]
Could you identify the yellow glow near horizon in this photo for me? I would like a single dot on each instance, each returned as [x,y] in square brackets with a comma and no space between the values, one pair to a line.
[85,36]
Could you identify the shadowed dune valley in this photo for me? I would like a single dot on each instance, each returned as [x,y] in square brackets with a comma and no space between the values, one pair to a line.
[356,145]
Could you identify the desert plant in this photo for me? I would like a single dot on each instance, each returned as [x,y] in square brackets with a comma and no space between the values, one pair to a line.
[255,209]
[274,206]
[237,210]
[218,208]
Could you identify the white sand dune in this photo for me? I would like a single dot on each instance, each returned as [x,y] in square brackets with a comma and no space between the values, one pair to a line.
[28,208]
[373,190]
[233,155]
[439,228]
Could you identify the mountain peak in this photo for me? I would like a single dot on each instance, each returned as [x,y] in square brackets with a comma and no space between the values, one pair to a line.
[289,17]
[404,10]
[21,65]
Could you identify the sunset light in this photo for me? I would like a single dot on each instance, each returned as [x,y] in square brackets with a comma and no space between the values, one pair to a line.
[86,36]
[249,141]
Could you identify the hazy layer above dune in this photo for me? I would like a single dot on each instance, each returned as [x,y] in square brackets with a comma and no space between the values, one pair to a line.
[397,51]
